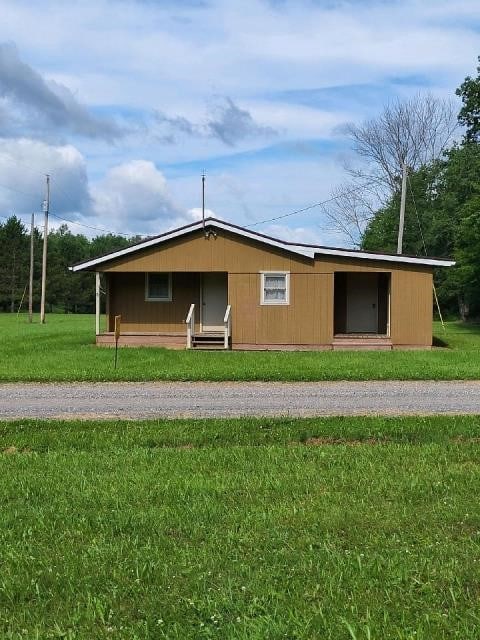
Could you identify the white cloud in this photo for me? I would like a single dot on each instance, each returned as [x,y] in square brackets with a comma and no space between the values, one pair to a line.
[23,165]
[133,198]
[196,214]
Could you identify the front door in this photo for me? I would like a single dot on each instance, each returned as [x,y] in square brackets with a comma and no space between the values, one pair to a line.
[362,303]
[214,301]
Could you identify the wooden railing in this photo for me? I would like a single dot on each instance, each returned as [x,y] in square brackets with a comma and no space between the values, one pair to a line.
[227,326]
[190,322]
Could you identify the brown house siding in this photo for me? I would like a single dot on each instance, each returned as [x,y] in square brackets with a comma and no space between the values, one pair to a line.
[411,308]
[307,320]
[127,298]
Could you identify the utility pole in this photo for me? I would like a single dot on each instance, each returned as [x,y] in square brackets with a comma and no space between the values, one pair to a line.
[46,207]
[402,209]
[30,281]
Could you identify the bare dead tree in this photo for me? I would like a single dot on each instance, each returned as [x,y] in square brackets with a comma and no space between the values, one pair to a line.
[349,213]
[415,131]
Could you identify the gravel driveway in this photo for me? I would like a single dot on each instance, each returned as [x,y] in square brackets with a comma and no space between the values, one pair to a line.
[231,399]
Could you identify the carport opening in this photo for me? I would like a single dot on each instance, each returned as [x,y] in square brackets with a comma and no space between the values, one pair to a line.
[361,303]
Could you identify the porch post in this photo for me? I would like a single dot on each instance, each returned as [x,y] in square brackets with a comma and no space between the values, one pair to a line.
[97,303]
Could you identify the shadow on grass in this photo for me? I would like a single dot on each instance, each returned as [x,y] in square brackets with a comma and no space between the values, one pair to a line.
[439,343]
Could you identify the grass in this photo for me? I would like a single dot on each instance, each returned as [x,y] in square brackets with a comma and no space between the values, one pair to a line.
[63,350]
[353,528]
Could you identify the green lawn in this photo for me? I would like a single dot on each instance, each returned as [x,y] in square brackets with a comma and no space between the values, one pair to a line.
[63,349]
[359,528]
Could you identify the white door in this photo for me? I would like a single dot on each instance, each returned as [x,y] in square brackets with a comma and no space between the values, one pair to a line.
[362,303]
[214,301]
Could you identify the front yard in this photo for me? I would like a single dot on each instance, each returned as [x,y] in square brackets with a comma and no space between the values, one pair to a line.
[63,350]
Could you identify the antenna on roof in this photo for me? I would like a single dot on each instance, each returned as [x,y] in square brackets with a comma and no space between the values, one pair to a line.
[208,234]
[203,200]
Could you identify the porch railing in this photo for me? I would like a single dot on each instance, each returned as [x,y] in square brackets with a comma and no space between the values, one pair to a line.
[227,326]
[190,322]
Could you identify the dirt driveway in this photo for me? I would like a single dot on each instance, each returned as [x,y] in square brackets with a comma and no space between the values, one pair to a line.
[231,399]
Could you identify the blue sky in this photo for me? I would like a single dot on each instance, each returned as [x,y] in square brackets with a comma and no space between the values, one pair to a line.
[125,102]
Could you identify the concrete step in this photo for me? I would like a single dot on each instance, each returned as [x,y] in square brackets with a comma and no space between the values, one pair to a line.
[361,343]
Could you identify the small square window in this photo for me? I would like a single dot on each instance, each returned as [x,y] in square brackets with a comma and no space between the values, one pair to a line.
[158,287]
[275,287]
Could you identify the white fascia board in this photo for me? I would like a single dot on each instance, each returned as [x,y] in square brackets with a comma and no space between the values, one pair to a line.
[344,253]
[306,251]
[134,248]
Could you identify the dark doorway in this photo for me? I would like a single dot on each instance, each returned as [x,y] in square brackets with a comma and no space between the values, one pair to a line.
[361,303]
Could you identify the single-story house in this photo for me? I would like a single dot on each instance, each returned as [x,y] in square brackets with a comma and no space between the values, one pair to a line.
[214,283]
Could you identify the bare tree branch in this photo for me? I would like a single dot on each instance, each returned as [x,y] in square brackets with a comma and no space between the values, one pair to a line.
[415,131]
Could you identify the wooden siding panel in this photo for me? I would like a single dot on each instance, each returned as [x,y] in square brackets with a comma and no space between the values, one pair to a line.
[127,298]
[244,298]
[197,253]
[308,319]
[411,308]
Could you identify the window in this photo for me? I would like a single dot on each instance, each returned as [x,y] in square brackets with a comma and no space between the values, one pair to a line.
[275,287]
[158,287]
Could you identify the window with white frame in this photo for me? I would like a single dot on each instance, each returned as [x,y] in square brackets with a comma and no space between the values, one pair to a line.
[158,287]
[275,287]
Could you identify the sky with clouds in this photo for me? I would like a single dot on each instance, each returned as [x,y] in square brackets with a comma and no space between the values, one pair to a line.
[126,102]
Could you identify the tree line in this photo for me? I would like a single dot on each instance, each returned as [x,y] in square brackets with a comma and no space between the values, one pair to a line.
[65,291]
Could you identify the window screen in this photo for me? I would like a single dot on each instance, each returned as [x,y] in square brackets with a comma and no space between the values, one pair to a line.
[275,288]
[159,286]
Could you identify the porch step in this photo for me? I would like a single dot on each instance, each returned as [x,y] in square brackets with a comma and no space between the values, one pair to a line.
[366,342]
[208,341]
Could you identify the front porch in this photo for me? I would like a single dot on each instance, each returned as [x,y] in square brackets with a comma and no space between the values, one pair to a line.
[175,310]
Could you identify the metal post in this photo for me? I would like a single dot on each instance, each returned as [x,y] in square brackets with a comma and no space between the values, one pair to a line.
[203,201]
[46,207]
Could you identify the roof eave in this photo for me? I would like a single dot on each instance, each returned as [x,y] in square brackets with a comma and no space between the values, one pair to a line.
[305,251]
[344,253]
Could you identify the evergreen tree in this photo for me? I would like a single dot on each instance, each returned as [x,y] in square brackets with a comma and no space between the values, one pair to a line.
[14,263]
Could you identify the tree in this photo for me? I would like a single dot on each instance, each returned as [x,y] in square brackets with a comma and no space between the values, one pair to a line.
[14,260]
[415,131]
[459,195]
[66,291]
[446,198]
[469,116]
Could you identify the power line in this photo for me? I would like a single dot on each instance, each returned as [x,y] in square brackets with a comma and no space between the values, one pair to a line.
[312,206]
[81,224]
[88,226]
[254,224]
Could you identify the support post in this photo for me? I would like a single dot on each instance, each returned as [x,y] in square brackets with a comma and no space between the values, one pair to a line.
[97,303]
